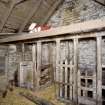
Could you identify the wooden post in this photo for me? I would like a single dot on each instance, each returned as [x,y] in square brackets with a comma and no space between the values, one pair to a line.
[51,69]
[66,76]
[38,64]
[57,63]
[34,65]
[75,88]
[99,72]
[23,51]
[6,64]
[57,59]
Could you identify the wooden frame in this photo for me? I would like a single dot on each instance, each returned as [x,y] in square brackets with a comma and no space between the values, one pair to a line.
[85,30]
[71,30]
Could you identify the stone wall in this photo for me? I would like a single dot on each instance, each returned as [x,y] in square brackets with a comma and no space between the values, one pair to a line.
[87,54]
[103,51]
[3,50]
[74,11]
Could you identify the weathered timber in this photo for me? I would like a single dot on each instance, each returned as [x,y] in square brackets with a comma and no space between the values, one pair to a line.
[75,92]
[99,72]
[39,48]
[56,74]
[89,26]
[36,100]
[34,64]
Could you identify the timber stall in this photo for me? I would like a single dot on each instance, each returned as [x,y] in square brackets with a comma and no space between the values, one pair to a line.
[74,57]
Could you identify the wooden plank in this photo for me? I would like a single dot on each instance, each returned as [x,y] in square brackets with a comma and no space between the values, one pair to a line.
[57,78]
[57,58]
[65,65]
[34,65]
[23,52]
[52,10]
[63,83]
[32,12]
[79,85]
[71,73]
[99,72]
[38,64]
[75,71]
[89,26]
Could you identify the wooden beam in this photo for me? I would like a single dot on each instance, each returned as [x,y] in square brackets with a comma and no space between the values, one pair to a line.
[75,91]
[101,2]
[56,72]
[51,11]
[89,26]
[20,1]
[34,65]
[39,48]
[99,71]
[32,12]
[7,14]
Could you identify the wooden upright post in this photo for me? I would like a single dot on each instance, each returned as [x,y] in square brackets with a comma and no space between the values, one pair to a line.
[38,64]
[57,59]
[23,51]
[56,76]
[34,65]
[75,87]
[99,72]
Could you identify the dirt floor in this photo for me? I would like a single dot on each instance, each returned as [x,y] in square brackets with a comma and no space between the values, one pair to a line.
[14,98]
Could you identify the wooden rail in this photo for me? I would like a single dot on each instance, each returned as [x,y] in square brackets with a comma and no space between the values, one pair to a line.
[84,27]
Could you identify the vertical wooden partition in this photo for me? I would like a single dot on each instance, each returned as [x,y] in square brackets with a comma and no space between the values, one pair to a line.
[66,69]
[78,70]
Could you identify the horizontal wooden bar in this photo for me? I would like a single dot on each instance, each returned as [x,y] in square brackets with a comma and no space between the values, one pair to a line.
[84,27]
[63,83]
[86,88]
[87,77]
[63,65]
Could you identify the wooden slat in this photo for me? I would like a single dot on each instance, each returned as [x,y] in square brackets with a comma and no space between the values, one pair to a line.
[63,83]
[66,76]
[93,25]
[65,65]
[61,78]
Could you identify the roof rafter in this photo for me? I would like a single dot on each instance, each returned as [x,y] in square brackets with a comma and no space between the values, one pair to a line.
[33,11]
[7,14]
[101,2]
[20,1]
[51,11]
[9,11]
